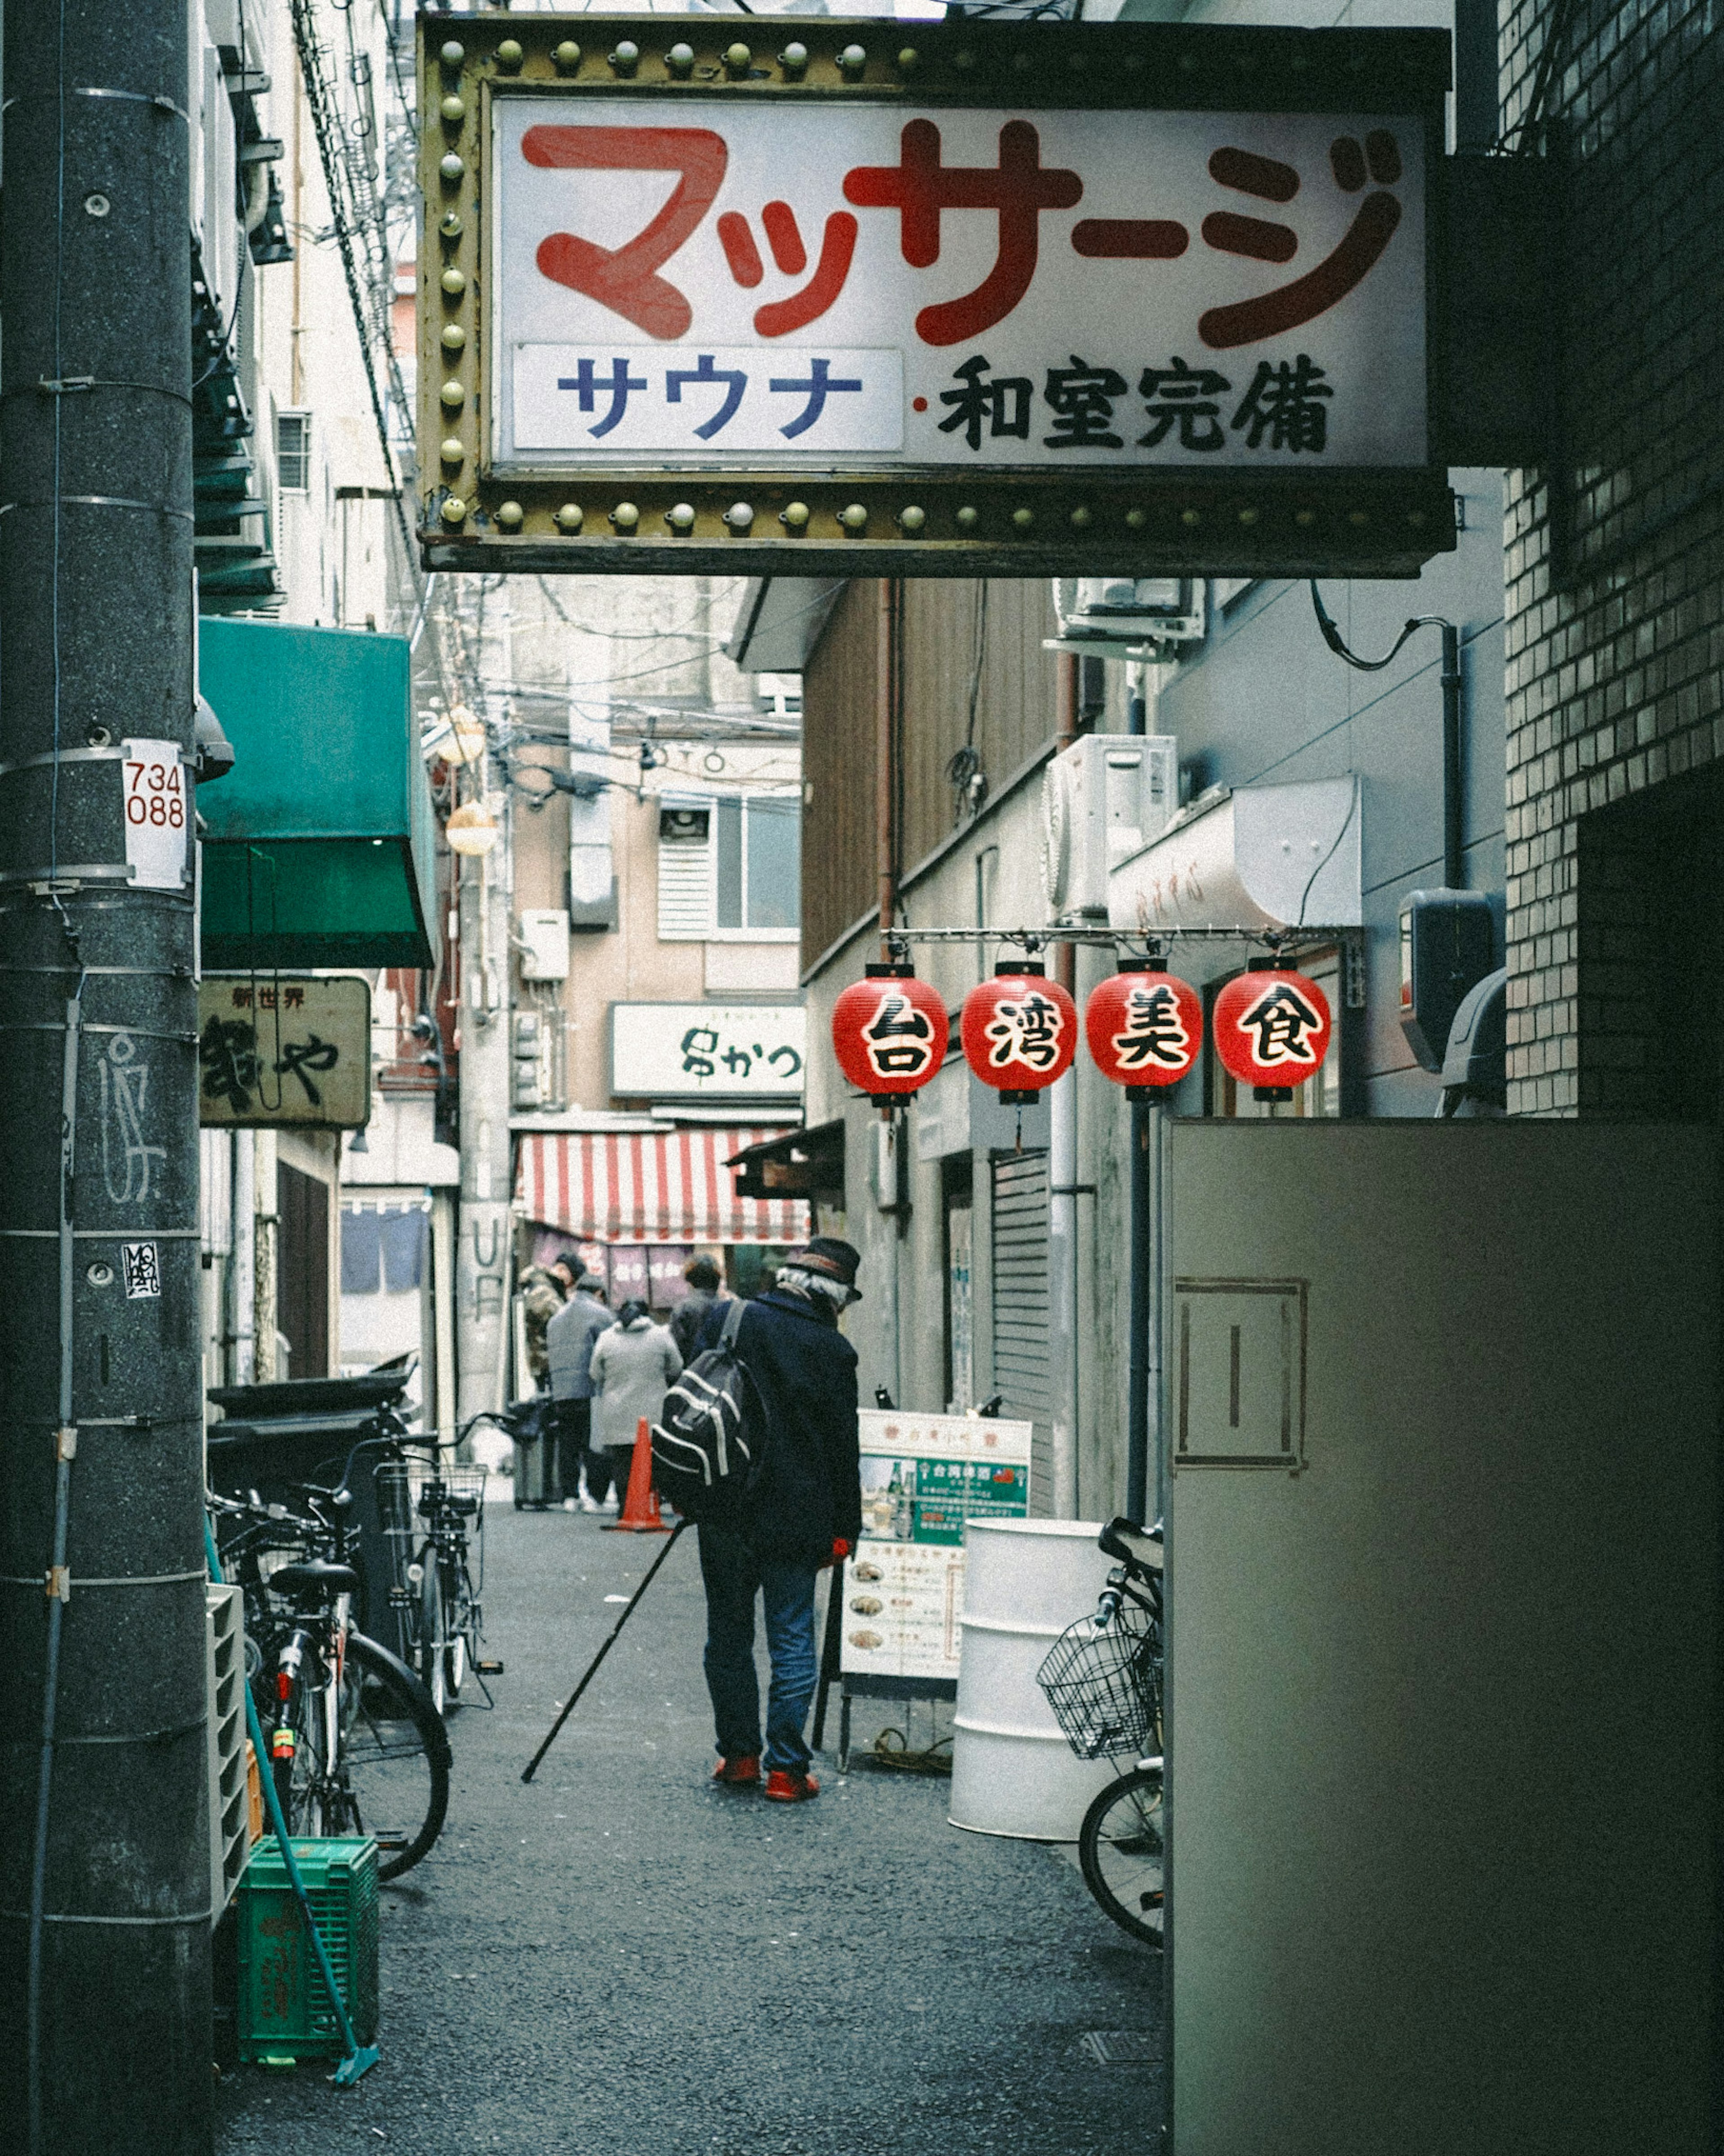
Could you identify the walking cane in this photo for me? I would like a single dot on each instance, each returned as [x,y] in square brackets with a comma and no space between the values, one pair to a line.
[531,1767]
[831,1648]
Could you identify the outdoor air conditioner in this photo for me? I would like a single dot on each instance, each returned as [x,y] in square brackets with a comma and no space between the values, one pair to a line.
[1103,799]
[1125,617]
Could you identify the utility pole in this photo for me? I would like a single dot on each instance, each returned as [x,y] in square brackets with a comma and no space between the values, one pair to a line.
[482,1261]
[105,1874]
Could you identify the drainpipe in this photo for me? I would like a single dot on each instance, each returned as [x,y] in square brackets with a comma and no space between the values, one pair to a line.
[1062,1191]
[243,1264]
[1454,783]
[887,705]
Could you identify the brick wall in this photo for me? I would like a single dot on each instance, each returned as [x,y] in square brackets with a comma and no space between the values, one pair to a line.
[1614,564]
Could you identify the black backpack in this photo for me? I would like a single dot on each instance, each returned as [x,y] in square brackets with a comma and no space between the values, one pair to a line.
[709,1445]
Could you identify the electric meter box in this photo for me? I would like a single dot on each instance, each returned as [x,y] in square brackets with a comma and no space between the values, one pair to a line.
[1447,948]
[545,945]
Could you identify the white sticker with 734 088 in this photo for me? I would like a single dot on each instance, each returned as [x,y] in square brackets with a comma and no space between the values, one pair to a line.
[156,814]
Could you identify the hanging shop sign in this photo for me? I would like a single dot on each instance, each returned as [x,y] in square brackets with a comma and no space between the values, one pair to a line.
[890,1033]
[1271,1027]
[1145,1028]
[1011,298]
[1019,1032]
[274,1051]
[707,1051]
[922,1478]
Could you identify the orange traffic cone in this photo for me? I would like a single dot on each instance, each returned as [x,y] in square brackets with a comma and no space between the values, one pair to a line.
[639,1515]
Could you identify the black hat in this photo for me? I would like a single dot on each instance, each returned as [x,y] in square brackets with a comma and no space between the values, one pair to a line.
[836,1260]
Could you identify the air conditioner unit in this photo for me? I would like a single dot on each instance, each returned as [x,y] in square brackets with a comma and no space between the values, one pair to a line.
[1103,799]
[1122,617]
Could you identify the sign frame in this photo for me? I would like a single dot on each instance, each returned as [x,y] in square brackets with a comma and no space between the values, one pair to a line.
[624,519]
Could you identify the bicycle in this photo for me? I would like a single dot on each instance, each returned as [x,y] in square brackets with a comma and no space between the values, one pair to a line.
[357,1746]
[434,1588]
[1103,1680]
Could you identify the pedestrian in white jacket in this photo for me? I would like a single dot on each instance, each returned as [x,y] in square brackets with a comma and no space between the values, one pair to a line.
[634,1364]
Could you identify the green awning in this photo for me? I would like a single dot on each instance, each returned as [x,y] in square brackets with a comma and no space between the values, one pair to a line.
[319,845]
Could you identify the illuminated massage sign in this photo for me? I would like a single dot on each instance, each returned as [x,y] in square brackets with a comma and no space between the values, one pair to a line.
[710,281]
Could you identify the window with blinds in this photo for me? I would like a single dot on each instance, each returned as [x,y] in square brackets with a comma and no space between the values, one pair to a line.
[730,868]
[685,873]
[292,452]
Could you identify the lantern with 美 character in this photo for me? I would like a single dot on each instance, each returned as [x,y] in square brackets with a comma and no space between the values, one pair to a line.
[1019,1032]
[1271,1028]
[1145,1027]
[890,1033]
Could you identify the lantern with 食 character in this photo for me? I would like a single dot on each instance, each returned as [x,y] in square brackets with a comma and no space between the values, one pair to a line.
[1271,1028]
[1019,1032]
[890,1033]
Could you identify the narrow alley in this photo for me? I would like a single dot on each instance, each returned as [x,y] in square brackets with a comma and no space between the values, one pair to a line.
[623,1960]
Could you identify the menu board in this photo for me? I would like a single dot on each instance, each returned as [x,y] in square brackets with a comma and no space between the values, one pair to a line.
[922,1478]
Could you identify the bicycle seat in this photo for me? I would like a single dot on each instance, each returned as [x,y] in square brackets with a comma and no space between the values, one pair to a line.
[1125,1540]
[315,1576]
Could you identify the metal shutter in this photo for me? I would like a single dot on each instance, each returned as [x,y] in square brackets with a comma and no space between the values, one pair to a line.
[1022,1364]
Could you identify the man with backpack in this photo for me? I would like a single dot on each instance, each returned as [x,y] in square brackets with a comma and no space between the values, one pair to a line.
[778,1499]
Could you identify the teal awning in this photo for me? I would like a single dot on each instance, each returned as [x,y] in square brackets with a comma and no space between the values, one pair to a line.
[320,849]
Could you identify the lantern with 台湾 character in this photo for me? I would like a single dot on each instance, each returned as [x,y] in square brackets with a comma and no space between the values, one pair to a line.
[1019,1032]
[1145,1027]
[890,1033]
[1271,1028]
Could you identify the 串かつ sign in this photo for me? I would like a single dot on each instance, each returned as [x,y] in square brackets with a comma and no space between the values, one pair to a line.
[1015,287]
[707,1051]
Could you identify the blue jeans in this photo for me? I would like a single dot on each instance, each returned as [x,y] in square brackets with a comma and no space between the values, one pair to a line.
[734,1576]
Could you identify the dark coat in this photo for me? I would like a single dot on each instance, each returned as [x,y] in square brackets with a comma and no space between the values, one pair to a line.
[810,1493]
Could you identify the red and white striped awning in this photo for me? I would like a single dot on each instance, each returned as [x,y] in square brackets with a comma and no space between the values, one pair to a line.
[657,1186]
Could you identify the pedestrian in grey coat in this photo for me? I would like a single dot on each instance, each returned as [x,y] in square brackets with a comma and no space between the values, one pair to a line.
[633,1365]
[568,1345]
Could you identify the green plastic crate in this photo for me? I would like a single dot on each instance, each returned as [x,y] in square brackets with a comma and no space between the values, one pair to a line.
[285,2007]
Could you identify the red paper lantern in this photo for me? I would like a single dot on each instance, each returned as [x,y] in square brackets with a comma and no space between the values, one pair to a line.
[1145,1027]
[888,1033]
[1272,1028]
[1019,1032]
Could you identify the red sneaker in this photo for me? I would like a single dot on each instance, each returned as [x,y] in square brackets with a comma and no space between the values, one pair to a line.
[743,1772]
[785,1787]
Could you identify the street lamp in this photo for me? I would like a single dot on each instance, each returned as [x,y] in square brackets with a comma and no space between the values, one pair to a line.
[472,828]
[466,744]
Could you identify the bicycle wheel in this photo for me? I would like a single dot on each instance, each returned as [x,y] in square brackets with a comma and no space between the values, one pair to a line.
[462,1617]
[394,1770]
[433,1656]
[1123,1848]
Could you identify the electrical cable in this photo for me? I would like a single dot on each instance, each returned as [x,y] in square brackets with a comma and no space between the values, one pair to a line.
[1332,636]
[964,769]
[935,1759]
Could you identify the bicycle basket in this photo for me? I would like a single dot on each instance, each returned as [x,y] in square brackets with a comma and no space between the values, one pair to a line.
[1104,1687]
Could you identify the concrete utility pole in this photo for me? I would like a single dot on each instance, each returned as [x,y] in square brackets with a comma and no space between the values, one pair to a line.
[104,1874]
[482,1260]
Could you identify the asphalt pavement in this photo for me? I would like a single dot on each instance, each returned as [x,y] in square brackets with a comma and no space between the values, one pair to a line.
[621,1959]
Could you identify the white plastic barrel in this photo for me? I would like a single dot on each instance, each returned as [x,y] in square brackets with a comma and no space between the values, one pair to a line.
[1012,1771]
